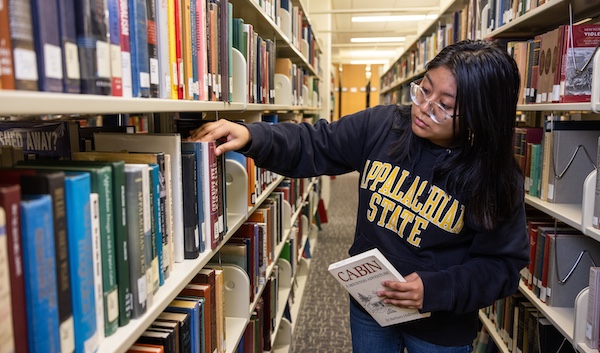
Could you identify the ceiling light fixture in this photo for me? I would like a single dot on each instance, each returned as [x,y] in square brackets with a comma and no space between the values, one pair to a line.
[372,53]
[378,40]
[368,62]
[400,18]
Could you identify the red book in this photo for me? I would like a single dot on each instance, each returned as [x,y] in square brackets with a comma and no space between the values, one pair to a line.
[533,234]
[126,79]
[178,54]
[576,86]
[10,197]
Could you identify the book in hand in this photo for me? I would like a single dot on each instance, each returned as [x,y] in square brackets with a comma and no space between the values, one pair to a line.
[361,275]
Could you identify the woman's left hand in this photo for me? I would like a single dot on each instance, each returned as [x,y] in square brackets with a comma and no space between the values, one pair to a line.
[407,294]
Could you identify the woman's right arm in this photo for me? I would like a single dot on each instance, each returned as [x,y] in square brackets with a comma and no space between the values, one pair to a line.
[235,135]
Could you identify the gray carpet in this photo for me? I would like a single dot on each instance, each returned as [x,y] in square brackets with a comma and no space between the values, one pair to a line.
[323,325]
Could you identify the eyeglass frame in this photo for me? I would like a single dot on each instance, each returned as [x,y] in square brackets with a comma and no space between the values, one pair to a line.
[413,98]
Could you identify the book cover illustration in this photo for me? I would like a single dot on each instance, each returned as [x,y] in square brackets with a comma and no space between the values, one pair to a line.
[361,275]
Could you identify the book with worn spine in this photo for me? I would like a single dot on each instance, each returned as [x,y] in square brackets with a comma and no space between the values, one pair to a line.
[361,275]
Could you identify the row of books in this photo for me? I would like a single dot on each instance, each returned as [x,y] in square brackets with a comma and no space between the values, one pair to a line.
[557,158]
[135,211]
[557,276]
[552,64]
[193,322]
[523,328]
[137,48]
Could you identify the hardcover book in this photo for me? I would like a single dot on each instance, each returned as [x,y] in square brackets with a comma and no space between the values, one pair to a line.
[7,342]
[68,37]
[10,200]
[361,275]
[23,45]
[169,143]
[94,47]
[48,48]
[40,274]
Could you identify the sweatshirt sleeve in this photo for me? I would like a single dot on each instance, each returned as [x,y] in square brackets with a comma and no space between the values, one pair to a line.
[490,272]
[305,150]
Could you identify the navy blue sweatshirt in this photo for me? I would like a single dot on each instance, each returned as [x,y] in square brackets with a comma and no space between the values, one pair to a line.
[417,225]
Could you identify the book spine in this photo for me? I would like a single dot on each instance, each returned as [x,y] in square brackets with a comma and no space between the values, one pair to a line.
[190,216]
[152,47]
[157,224]
[68,35]
[96,256]
[194,50]
[7,75]
[94,48]
[10,198]
[47,44]
[40,277]
[135,250]
[126,84]
[23,47]
[149,246]
[7,337]
[163,43]
[53,184]
[79,221]
[138,37]
[177,11]
[201,48]
[116,70]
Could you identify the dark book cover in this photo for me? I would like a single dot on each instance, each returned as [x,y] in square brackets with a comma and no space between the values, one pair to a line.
[23,45]
[136,243]
[138,38]
[152,47]
[94,48]
[192,306]
[53,184]
[198,292]
[10,199]
[44,16]
[190,215]
[41,139]
[114,30]
[7,75]
[165,339]
[184,326]
[70,51]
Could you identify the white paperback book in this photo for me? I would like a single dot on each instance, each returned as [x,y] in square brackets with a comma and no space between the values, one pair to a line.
[361,275]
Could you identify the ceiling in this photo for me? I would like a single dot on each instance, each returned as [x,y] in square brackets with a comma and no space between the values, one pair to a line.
[343,29]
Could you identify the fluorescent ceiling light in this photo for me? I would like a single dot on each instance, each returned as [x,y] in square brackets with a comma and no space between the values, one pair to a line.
[367,62]
[372,53]
[378,40]
[400,18]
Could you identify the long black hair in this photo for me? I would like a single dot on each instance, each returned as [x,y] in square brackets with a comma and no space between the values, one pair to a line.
[484,169]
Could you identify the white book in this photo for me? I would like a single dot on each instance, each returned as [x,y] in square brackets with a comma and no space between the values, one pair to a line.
[97,263]
[361,275]
[162,36]
[169,143]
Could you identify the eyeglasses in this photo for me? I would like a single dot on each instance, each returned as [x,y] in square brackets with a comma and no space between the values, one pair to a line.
[437,113]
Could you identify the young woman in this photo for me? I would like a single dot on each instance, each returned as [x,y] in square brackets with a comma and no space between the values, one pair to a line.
[440,193]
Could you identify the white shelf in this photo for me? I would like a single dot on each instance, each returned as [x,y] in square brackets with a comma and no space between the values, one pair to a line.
[491,329]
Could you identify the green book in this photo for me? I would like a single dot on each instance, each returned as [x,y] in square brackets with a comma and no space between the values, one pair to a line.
[101,177]
[534,174]
[120,231]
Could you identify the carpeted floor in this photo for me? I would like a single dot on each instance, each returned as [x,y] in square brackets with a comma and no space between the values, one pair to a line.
[323,325]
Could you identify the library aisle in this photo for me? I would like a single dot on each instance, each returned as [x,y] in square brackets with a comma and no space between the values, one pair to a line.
[323,324]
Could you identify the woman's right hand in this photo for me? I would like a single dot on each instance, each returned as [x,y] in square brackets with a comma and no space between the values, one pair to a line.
[236,135]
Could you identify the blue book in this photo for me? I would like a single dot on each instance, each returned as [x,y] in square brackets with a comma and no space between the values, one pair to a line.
[77,199]
[44,15]
[93,45]
[68,37]
[40,274]
[138,39]
[196,147]
[191,306]
[114,30]
[156,220]
[194,39]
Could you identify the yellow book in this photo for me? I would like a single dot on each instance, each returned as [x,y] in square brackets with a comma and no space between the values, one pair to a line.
[186,39]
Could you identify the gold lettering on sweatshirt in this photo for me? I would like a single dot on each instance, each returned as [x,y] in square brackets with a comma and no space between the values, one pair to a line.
[408,208]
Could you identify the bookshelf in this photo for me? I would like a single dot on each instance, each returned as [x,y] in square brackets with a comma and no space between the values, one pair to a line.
[549,15]
[268,22]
